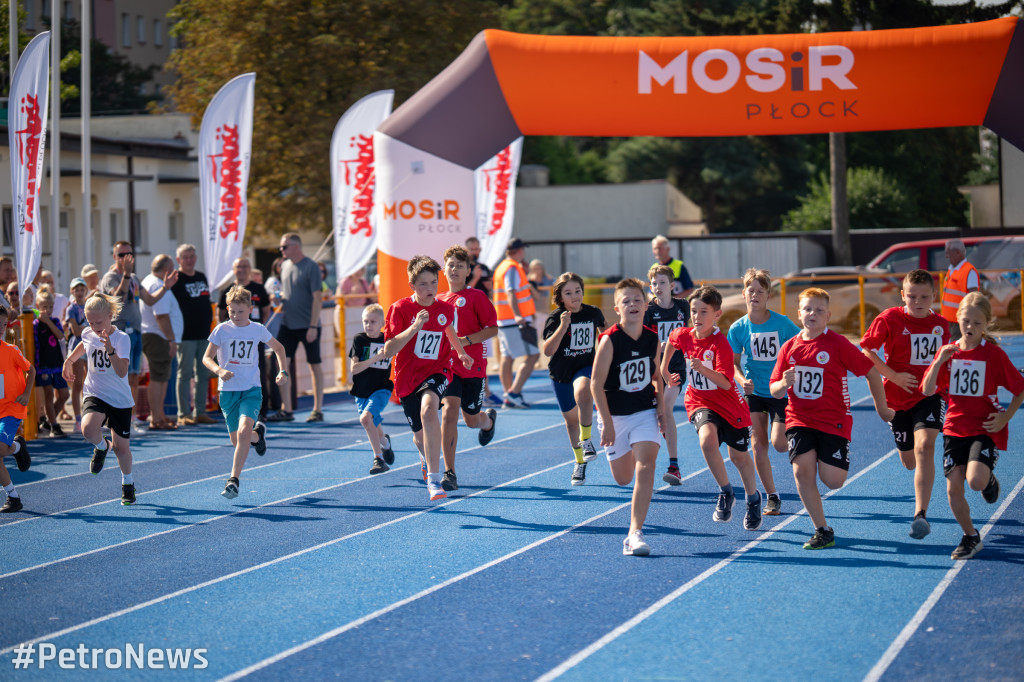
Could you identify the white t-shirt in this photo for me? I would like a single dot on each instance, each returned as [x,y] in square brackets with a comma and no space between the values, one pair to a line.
[152,284]
[238,350]
[101,381]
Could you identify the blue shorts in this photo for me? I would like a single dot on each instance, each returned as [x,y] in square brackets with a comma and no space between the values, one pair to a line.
[135,356]
[375,404]
[564,392]
[238,404]
[55,380]
[9,429]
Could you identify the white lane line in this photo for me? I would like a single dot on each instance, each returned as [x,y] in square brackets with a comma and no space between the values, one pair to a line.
[639,618]
[911,627]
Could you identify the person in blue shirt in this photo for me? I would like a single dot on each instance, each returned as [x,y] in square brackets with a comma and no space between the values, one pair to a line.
[756,339]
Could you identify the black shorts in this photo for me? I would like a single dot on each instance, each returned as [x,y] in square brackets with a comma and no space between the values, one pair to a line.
[831,449]
[119,419]
[774,407]
[928,413]
[435,383]
[959,450]
[470,390]
[291,338]
[735,437]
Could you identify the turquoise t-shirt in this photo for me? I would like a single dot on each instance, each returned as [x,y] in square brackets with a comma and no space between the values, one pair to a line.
[760,344]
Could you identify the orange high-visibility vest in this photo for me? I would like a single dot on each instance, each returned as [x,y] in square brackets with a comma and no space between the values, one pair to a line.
[955,288]
[523,296]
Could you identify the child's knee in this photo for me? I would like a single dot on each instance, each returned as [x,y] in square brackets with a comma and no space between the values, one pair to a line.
[366,419]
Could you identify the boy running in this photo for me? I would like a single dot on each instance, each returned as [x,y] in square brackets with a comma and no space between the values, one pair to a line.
[812,369]
[758,336]
[713,403]
[911,335]
[18,376]
[236,346]
[475,322]
[666,314]
[371,385]
[423,368]
[630,411]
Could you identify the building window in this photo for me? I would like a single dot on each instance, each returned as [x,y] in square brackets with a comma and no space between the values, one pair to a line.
[158,33]
[126,30]
[140,23]
[115,228]
[175,228]
[141,233]
[69,10]
[30,14]
[8,245]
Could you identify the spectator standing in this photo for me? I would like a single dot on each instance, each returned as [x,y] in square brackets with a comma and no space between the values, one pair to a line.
[683,285]
[91,276]
[514,304]
[192,292]
[479,274]
[159,343]
[961,279]
[356,283]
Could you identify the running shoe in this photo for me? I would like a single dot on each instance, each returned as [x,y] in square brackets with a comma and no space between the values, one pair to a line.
[752,519]
[450,481]
[128,494]
[23,459]
[493,400]
[517,400]
[57,432]
[723,510]
[506,403]
[920,527]
[281,416]
[672,476]
[589,451]
[12,505]
[138,430]
[635,545]
[773,507]
[991,491]
[379,466]
[44,426]
[485,436]
[968,547]
[436,491]
[579,474]
[385,450]
[231,489]
[261,438]
[315,416]
[98,457]
[823,537]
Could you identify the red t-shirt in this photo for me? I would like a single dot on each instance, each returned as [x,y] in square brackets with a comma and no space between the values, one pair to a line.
[972,379]
[473,312]
[701,392]
[819,398]
[428,352]
[13,366]
[910,346]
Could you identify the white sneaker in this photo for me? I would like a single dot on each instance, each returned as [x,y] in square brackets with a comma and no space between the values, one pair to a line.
[436,491]
[139,427]
[635,545]
[589,451]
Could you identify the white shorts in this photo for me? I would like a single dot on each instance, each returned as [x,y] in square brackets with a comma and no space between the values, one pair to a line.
[631,429]
[512,343]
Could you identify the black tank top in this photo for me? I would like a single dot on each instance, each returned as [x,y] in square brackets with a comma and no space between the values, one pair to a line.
[629,386]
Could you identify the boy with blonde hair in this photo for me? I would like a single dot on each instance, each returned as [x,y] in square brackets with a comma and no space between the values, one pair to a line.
[372,385]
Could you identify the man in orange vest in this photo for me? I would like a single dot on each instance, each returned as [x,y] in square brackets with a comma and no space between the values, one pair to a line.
[961,279]
[513,302]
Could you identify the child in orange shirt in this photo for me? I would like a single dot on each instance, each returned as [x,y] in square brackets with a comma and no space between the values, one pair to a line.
[19,378]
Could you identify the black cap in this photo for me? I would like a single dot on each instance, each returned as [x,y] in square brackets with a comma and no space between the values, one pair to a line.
[515,243]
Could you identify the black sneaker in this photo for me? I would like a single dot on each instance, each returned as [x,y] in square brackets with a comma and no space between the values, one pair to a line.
[968,547]
[127,493]
[56,431]
[386,452]
[752,519]
[260,446]
[379,466]
[773,507]
[579,474]
[485,436]
[919,527]
[449,482]
[23,459]
[12,505]
[823,537]
[98,457]
[991,491]
[44,426]
[281,416]
[231,489]
[723,510]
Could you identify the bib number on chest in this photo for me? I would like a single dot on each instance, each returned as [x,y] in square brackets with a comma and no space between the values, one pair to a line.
[581,336]
[967,377]
[764,345]
[809,382]
[427,345]
[99,361]
[241,353]
[923,348]
[666,328]
[634,375]
[698,381]
[383,363]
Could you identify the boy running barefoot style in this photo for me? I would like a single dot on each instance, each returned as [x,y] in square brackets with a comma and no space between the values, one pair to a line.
[475,322]
[371,385]
[420,333]
[233,355]
[911,335]
[570,340]
[630,412]
[108,395]
[756,339]
[713,403]
[812,369]
[666,314]
[18,377]
[972,370]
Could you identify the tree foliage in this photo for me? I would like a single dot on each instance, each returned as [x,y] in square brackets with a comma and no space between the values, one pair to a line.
[313,59]
[875,199]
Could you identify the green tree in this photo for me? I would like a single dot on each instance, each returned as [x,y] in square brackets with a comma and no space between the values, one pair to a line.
[313,59]
[876,201]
